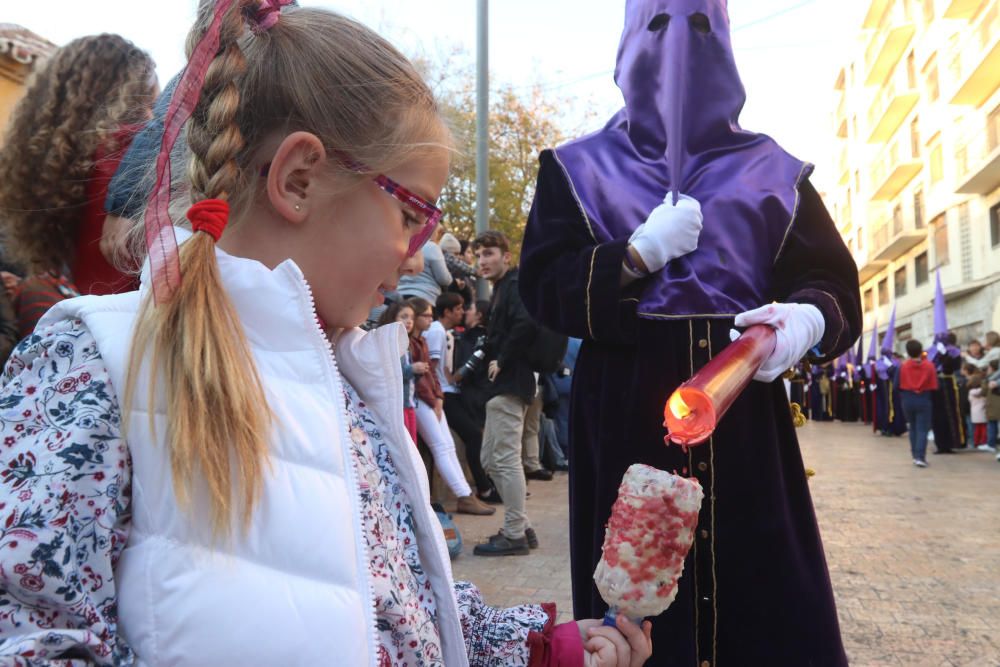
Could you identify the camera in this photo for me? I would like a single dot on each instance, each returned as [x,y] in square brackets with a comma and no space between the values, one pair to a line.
[475,361]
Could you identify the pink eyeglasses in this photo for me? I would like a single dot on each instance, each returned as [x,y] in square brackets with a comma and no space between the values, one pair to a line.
[427,215]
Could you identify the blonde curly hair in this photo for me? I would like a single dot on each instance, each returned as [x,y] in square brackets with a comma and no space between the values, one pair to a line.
[74,103]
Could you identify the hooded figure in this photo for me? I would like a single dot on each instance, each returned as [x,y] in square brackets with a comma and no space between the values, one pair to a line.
[649,239]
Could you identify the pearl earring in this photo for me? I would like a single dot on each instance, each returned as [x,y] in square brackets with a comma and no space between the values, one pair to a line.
[298,207]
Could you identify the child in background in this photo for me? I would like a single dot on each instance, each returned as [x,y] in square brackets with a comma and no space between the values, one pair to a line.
[977,408]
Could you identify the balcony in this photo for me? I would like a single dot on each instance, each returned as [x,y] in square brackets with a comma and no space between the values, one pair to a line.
[888,44]
[868,267]
[840,119]
[893,236]
[976,64]
[892,105]
[894,169]
[978,162]
[875,12]
[961,9]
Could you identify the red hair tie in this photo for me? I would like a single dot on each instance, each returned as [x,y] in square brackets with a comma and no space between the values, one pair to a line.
[209,216]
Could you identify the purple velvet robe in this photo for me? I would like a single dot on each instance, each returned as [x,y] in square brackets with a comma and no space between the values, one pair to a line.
[756,590]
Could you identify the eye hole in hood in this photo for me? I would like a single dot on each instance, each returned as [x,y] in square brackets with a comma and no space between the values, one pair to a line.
[659,22]
[700,23]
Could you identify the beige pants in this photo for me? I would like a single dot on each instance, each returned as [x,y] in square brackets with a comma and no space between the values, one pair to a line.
[529,441]
[501,458]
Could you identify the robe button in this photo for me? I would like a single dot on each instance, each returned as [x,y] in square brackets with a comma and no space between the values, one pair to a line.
[703,466]
[706,663]
[704,534]
[703,343]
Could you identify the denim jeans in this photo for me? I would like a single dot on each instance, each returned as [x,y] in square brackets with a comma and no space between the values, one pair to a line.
[917,409]
[969,432]
[991,433]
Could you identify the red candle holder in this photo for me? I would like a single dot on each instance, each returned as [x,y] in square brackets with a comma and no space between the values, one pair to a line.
[694,410]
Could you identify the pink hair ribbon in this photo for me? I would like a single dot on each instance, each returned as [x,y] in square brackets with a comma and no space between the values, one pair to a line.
[161,245]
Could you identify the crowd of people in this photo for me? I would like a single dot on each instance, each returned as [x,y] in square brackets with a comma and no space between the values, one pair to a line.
[485,372]
[944,394]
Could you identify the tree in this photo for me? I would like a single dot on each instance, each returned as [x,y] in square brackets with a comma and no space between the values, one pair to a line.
[523,122]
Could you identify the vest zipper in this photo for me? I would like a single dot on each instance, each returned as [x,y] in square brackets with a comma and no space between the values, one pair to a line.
[351,469]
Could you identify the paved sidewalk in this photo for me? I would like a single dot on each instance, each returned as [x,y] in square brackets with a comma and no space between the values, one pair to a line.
[914,554]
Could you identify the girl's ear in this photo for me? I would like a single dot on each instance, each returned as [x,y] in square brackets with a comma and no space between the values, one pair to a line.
[294,174]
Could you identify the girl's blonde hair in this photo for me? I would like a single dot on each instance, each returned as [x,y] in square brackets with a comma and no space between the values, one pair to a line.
[78,100]
[313,71]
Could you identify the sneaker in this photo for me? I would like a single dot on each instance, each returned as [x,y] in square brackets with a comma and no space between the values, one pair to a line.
[919,463]
[532,537]
[501,545]
[998,457]
[472,505]
[542,474]
[986,448]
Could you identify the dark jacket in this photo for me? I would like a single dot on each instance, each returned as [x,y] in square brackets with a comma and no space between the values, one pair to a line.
[511,332]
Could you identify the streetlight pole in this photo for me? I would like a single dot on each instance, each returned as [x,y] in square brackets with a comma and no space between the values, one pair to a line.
[482,129]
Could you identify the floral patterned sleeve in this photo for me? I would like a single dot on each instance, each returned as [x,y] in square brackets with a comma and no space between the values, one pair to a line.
[522,636]
[64,503]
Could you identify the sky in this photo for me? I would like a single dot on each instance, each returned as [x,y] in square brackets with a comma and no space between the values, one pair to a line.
[788,51]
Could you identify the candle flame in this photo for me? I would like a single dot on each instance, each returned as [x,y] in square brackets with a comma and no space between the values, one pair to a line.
[678,407]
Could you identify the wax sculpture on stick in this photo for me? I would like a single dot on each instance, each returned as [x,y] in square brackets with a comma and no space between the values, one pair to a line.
[646,541]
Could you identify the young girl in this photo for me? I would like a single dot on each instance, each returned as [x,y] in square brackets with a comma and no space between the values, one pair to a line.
[264,506]
[402,312]
[432,424]
[63,144]
[977,408]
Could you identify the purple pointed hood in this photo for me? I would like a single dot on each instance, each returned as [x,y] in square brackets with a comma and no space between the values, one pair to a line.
[873,345]
[940,314]
[889,340]
[885,360]
[679,132]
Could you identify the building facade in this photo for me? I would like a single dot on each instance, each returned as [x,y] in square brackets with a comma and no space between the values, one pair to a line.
[20,51]
[917,188]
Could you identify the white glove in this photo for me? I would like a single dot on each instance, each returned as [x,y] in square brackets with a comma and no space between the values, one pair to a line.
[669,232]
[799,327]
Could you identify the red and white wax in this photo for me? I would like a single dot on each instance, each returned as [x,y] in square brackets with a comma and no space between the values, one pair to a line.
[648,536]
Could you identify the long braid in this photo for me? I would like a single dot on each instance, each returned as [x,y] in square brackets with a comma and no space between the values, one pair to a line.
[219,420]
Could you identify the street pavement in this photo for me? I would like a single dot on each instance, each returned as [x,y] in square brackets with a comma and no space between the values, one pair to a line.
[914,554]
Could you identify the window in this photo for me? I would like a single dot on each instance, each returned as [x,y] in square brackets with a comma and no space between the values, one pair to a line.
[920,272]
[915,137]
[918,209]
[911,71]
[928,11]
[937,164]
[993,129]
[939,229]
[995,226]
[869,300]
[897,219]
[857,180]
[933,85]
[861,241]
[883,292]
[899,282]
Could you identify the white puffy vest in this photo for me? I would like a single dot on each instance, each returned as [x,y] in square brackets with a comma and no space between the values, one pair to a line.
[294,589]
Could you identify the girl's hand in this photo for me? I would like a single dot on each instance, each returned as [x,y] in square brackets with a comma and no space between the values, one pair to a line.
[626,645]
[438,408]
[420,367]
